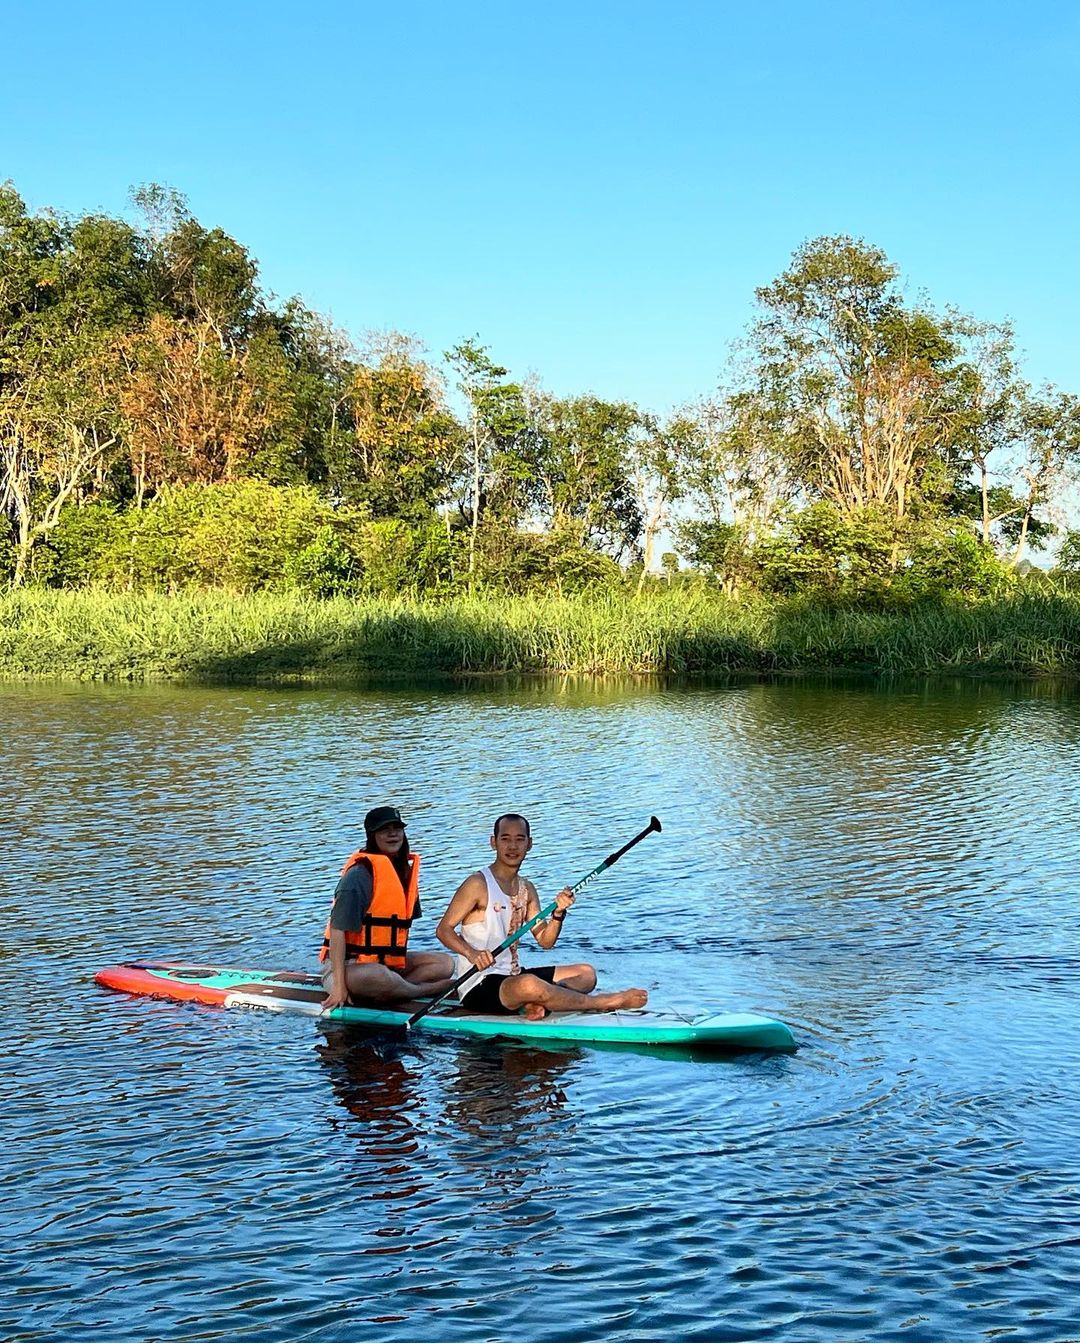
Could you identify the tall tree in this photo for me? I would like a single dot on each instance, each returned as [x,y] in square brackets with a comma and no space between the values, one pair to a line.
[495,422]
[303,365]
[990,395]
[739,480]
[863,381]
[1014,447]
[742,473]
[405,444]
[219,384]
[1050,431]
[581,452]
[200,275]
[67,288]
[662,457]
[192,410]
[57,430]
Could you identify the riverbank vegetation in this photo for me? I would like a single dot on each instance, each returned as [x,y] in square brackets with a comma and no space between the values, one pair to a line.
[211,635]
[196,475]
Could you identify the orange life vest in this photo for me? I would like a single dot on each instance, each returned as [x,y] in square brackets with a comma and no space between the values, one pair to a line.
[383,934]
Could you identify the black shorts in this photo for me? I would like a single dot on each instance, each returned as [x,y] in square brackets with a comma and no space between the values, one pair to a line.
[485,997]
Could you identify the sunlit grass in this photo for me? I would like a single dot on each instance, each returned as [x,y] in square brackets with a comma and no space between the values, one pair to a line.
[92,634]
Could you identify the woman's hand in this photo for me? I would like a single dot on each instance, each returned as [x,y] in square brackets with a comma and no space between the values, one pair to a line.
[338,996]
[482,959]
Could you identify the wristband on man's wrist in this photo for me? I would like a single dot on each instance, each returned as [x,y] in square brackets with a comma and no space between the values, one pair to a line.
[558,915]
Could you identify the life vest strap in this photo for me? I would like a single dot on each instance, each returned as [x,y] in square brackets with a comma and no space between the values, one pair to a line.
[355,951]
[369,939]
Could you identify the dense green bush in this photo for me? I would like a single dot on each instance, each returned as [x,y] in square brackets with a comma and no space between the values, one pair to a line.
[396,556]
[249,536]
[1068,559]
[947,560]
[80,545]
[243,536]
[871,559]
[516,562]
[324,566]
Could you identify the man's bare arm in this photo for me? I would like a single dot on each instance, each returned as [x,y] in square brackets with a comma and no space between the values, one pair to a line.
[547,933]
[468,898]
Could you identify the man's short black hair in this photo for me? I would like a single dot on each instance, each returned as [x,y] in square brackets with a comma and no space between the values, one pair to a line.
[511,816]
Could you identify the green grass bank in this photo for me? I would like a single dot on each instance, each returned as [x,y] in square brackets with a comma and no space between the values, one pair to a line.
[94,635]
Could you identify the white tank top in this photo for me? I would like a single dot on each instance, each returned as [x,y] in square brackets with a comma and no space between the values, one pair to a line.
[504,915]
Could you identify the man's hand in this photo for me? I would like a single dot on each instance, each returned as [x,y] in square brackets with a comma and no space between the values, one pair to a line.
[564,900]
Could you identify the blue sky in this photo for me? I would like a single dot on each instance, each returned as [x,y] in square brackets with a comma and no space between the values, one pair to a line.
[595,188]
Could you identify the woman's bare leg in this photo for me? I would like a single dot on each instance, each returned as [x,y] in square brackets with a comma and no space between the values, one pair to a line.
[371,981]
[431,970]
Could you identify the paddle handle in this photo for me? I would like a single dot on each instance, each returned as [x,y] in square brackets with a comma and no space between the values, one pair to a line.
[545,913]
[654,825]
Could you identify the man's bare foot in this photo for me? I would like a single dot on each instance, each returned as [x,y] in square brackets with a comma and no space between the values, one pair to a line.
[614,1002]
[534,1011]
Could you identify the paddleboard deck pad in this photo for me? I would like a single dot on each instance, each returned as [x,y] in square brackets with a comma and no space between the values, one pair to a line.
[302,994]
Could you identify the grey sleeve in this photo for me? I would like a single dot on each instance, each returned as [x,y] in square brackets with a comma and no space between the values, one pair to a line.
[352,898]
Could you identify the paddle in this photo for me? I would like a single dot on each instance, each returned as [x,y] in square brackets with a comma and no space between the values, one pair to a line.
[545,913]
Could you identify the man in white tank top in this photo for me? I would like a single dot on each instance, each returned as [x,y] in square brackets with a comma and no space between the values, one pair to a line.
[493,903]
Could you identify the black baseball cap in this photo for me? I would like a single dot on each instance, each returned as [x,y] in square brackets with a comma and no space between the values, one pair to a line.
[380,817]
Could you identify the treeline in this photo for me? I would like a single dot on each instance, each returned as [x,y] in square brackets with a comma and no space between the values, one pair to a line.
[165,423]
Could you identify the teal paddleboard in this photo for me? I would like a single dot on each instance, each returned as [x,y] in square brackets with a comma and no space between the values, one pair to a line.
[285,991]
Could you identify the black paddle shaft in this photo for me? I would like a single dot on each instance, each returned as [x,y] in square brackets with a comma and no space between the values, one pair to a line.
[612,858]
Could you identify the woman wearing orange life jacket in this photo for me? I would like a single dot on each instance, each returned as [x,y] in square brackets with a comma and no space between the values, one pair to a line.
[365,947]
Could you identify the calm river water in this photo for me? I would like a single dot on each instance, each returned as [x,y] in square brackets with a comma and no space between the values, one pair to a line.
[892,871]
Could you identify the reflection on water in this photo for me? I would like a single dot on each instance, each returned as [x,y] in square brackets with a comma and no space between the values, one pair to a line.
[490,1091]
[892,869]
[378,1089]
[495,1090]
